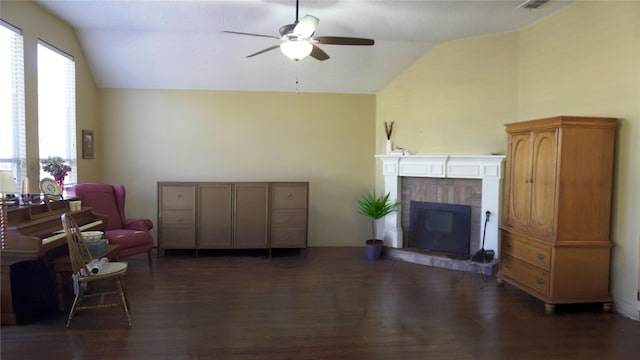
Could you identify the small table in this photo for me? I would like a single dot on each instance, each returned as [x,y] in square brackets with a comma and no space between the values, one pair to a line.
[62,264]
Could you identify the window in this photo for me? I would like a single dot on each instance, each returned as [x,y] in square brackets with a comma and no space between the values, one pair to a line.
[13,152]
[57,107]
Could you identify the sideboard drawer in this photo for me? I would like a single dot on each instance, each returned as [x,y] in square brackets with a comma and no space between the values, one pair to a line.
[288,238]
[177,237]
[289,218]
[529,276]
[177,217]
[537,255]
[178,197]
[289,196]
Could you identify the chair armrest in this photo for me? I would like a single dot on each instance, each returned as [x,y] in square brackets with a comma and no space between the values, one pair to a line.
[138,224]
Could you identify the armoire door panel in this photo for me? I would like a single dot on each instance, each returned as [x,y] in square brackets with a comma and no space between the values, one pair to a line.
[518,207]
[543,184]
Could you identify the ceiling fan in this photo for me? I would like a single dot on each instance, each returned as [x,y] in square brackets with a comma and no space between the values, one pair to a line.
[298,41]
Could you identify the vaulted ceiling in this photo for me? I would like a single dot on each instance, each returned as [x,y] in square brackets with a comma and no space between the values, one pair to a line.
[181,44]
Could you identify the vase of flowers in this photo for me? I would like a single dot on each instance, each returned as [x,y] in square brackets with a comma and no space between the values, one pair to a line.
[55,166]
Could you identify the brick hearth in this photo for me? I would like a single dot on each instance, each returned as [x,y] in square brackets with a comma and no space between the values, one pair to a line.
[423,257]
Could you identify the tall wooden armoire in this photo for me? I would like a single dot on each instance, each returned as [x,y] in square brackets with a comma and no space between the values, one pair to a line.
[555,241]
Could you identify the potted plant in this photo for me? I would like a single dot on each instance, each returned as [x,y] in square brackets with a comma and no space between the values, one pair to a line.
[375,207]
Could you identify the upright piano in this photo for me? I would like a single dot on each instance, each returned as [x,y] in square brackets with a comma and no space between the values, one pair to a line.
[33,231]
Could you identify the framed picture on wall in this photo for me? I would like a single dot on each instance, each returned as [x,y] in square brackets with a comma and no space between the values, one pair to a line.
[87,144]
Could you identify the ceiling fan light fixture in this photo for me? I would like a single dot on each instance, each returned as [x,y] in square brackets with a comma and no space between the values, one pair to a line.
[296,50]
[298,41]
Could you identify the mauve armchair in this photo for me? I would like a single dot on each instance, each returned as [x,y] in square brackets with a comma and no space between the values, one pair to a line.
[132,234]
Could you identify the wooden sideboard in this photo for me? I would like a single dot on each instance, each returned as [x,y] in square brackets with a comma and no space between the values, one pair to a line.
[555,241]
[232,215]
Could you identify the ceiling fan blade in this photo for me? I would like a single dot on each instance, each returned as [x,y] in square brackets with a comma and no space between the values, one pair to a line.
[251,34]
[318,54]
[306,26]
[340,40]
[264,50]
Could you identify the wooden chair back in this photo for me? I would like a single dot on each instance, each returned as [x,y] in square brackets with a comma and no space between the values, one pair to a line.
[79,253]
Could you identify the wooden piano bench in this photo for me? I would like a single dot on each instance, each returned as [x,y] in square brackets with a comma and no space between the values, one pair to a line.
[62,265]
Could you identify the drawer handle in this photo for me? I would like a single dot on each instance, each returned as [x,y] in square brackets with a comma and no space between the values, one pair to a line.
[507,265]
[507,245]
[540,280]
[540,256]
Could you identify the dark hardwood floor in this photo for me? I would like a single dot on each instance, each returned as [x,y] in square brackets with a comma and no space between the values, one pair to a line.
[324,303]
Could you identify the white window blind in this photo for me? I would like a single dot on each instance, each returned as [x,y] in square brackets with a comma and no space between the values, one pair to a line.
[13,152]
[57,107]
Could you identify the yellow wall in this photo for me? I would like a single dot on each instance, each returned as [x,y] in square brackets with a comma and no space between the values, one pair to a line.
[582,60]
[38,24]
[166,135]
[455,99]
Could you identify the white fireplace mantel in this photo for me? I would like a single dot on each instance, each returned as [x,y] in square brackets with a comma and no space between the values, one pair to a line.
[485,167]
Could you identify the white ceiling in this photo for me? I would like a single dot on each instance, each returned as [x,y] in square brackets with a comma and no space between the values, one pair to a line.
[181,44]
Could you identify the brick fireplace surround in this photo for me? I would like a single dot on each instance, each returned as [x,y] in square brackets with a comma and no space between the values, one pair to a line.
[443,178]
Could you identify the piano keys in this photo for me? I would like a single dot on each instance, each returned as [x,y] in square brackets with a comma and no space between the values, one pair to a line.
[32,232]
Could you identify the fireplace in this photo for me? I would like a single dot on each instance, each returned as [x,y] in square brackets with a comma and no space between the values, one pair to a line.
[484,173]
[438,227]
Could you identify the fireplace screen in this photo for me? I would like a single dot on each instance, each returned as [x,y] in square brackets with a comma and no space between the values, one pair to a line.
[440,227]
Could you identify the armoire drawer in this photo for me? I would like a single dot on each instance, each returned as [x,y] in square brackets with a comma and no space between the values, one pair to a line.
[529,276]
[537,255]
